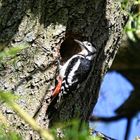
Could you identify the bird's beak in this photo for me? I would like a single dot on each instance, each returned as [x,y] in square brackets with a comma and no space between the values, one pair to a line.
[79,42]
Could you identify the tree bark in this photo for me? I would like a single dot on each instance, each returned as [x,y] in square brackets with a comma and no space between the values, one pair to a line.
[45,27]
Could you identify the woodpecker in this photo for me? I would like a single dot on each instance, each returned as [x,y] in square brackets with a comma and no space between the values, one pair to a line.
[75,70]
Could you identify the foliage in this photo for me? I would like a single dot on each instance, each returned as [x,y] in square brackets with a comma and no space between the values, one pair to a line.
[73,130]
[132,27]
[11,52]
[8,135]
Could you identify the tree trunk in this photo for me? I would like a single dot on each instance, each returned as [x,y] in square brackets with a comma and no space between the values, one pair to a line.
[45,27]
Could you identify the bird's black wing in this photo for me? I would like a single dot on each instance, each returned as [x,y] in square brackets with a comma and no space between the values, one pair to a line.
[77,75]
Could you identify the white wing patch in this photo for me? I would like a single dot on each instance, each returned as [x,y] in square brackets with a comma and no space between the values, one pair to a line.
[72,73]
[64,67]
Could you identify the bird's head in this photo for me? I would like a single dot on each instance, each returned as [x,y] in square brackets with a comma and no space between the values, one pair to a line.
[85,45]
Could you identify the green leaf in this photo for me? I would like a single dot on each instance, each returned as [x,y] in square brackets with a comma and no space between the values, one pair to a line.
[7,96]
[11,52]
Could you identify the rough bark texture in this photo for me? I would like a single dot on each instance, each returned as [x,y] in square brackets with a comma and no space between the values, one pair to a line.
[42,26]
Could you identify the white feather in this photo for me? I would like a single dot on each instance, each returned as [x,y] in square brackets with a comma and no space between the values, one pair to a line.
[64,67]
[72,73]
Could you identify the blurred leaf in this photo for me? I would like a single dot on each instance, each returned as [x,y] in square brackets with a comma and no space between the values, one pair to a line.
[11,52]
[8,135]
[7,96]
[129,30]
[132,27]
[3,119]
[137,2]
[73,130]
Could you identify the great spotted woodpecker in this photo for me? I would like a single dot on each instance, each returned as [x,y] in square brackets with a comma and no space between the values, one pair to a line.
[75,70]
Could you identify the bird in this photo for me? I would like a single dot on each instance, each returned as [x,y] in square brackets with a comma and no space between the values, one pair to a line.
[75,70]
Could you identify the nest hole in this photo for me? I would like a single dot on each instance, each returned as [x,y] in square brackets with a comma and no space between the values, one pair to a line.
[67,49]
